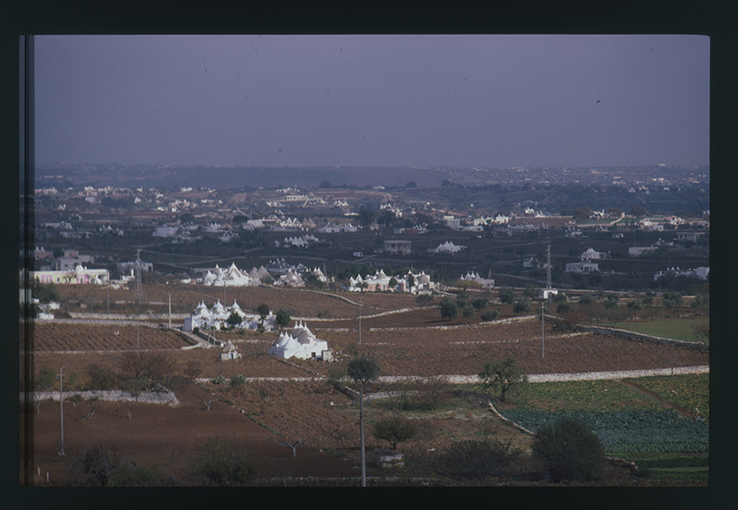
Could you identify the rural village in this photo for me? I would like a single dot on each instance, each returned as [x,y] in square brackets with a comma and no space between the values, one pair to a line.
[162,321]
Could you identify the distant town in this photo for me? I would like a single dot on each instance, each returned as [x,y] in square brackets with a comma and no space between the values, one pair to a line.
[618,229]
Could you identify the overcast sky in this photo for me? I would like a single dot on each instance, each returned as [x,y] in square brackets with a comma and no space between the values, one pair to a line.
[419,100]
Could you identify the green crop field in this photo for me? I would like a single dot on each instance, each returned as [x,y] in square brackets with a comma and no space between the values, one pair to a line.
[676,329]
[628,431]
[690,391]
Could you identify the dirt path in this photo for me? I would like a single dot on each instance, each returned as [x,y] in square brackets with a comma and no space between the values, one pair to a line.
[658,398]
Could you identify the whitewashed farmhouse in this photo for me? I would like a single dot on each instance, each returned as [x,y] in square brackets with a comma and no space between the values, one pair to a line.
[300,343]
[217,318]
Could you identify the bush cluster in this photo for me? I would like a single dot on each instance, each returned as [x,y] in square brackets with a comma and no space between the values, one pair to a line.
[570,451]
[479,459]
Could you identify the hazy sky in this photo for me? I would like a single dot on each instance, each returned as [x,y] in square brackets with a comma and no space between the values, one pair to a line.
[420,100]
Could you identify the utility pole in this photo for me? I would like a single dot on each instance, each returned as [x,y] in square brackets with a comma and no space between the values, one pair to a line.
[361,434]
[543,323]
[61,407]
[359,321]
[139,293]
[170,310]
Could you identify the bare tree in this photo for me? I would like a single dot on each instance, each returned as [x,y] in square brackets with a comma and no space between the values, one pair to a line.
[92,411]
[292,446]
[209,402]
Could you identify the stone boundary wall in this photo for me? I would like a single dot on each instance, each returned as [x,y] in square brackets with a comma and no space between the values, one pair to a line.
[150,397]
[130,317]
[640,337]
[187,338]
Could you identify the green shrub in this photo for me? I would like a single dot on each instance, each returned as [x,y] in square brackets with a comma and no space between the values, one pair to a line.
[490,315]
[237,380]
[559,297]
[132,476]
[46,378]
[563,307]
[570,451]
[522,306]
[478,459]
[394,430]
[449,308]
[223,462]
[337,379]
[101,378]
[95,466]
[507,296]
[480,303]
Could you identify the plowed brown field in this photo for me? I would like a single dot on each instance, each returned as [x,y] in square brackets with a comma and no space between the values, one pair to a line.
[168,436]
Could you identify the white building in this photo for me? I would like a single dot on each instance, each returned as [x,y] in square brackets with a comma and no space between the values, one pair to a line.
[583,267]
[476,277]
[590,254]
[231,277]
[166,231]
[700,273]
[397,246]
[217,318]
[637,251]
[78,275]
[414,283]
[300,343]
[447,247]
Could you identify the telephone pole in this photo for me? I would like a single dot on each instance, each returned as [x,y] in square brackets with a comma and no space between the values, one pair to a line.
[61,408]
[359,321]
[543,323]
[139,293]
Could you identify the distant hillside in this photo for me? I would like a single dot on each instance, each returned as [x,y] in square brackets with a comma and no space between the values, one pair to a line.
[135,176]
[230,178]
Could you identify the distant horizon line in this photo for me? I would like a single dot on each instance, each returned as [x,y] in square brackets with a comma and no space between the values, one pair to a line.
[442,167]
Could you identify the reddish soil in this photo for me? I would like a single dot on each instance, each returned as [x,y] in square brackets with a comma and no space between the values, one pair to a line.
[168,437]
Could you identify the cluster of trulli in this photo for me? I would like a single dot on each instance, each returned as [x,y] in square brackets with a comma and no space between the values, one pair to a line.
[447,247]
[471,276]
[234,277]
[290,279]
[413,283]
[300,343]
[217,318]
[281,267]
[301,241]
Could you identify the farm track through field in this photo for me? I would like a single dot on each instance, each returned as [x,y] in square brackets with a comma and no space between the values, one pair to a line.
[659,398]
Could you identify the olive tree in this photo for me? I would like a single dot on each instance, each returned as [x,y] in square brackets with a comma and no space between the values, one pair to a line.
[394,430]
[503,375]
[449,309]
[506,296]
[282,318]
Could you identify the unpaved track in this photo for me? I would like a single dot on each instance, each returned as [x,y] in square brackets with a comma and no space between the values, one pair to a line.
[659,398]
